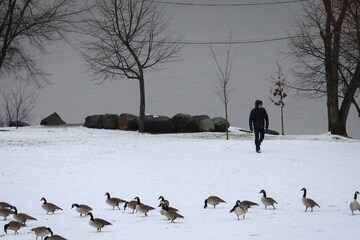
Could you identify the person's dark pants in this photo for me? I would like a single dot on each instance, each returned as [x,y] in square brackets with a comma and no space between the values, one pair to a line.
[259,137]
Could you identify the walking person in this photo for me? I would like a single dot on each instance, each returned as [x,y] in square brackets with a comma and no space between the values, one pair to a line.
[258,122]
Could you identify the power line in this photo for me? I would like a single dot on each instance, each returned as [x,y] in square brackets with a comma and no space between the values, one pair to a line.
[233,42]
[229,4]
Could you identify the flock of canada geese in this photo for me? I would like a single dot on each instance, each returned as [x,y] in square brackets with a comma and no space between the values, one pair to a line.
[170,213]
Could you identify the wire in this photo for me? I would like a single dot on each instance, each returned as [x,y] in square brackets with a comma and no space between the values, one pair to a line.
[232,42]
[229,4]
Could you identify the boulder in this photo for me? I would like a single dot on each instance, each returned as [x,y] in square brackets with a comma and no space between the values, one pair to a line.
[272,132]
[18,124]
[183,123]
[94,121]
[157,124]
[203,123]
[220,124]
[52,120]
[109,121]
[127,122]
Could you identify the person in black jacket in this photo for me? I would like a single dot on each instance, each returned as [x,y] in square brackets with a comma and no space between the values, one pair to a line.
[258,122]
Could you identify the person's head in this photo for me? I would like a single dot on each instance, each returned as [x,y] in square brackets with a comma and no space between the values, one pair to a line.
[258,104]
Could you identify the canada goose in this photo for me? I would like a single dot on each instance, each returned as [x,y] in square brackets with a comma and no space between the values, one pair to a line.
[5,212]
[22,217]
[82,208]
[169,209]
[13,225]
[132,205]
[113,201]
[143,208]
[41,231]
[238,210]
[267,201]
[163,201]
[170,215]
[49,207]
[5,205]
[247,204]
[308,202]
[354,205]
[213,200]
[97,223]
[55,237]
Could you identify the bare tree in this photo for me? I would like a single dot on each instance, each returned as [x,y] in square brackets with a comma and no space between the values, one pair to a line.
[125,38]
[279,93]
[328,53]
[225,86]
[19,102]
[27,26]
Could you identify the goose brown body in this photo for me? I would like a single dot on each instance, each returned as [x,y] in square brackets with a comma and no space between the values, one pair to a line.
[143,208]
[213,200]
[238,210]
[308,202]
[267,201]
[14,226]
[97,223]
[22,217]
[132,205]
[113,201]
[41,231]
[49,207]
[354,205]
[170,214]
[5,212]
[5,205]
[55,237]
[246,204]
[82,208]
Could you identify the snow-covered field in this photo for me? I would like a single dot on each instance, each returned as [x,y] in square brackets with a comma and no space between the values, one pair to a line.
[70,165]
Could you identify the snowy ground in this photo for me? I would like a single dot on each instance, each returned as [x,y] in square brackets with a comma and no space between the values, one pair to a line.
[70,165]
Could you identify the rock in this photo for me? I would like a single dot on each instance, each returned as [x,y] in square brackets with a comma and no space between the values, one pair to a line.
[203,123]
[18,124]
[109,121]
[52,120]
[94,121]
[157,124]
[127,122]
[183,123]
[220,124]
[272,132]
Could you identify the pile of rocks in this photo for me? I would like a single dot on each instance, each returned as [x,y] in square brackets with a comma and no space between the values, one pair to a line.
[180,123]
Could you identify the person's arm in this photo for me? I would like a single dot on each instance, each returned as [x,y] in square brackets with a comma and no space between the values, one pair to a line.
[266,120]
[251,119]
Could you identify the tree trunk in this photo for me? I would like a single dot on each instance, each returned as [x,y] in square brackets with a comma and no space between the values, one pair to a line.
[331,39]
[226,118]
[142,103]
[282,120]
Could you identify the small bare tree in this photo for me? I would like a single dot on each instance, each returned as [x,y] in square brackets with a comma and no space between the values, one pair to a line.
[27,26]
[19,102]
[279,93]
[124,39]
[224,72]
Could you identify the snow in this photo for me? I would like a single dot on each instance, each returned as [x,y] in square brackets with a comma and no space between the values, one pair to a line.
[73,164]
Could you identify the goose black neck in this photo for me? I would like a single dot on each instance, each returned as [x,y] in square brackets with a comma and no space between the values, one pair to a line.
[108,195]
[43,199]
[355,195]
[264,193]
[304,195]
[206,201]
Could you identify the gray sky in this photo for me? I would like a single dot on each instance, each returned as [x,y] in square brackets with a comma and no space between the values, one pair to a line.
[189,85]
